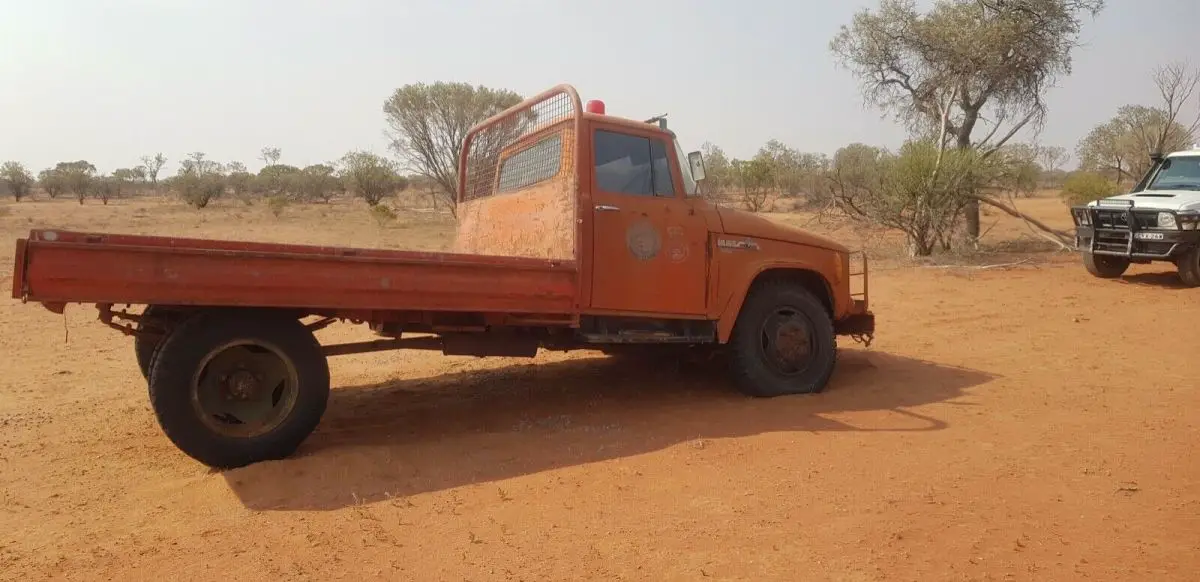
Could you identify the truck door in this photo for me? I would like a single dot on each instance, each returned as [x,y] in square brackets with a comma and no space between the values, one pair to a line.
[648,239]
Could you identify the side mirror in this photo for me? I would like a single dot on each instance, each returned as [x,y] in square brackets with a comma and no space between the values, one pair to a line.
[696,163]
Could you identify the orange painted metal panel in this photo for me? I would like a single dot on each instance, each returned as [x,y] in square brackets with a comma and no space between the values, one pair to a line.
[18,283]
[740,265]
[90,268]
[649,253]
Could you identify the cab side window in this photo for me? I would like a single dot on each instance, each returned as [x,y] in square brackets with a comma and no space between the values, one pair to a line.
[628,164]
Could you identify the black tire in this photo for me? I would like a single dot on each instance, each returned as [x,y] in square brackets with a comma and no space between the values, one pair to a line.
[1189,267]
[1105,266]
[159,320]
[761,370]
[186,387]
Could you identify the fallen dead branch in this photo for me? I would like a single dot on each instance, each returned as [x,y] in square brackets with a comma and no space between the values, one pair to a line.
[1064,240]
[981,267]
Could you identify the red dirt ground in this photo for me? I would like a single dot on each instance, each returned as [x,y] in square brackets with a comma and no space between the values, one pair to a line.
[1024,424]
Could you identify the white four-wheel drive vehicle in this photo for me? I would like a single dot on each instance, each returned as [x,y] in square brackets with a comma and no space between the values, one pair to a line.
[1156,221]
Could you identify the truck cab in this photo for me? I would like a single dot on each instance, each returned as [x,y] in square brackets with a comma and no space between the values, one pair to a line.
[1156,221]
[621,198]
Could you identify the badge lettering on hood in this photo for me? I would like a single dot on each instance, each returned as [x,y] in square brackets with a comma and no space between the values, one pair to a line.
[734,244]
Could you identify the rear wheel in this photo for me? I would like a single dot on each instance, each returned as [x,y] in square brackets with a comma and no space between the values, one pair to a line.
[234,389]
[157,322]
[1105,266]
[1189,267]
[783,342]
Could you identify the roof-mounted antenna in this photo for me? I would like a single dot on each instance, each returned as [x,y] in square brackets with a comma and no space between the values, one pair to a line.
[661,120]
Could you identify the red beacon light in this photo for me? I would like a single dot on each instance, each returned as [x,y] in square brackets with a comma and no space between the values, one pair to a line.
[594,106]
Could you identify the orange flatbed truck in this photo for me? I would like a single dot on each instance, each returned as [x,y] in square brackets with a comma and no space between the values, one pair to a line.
[576,230]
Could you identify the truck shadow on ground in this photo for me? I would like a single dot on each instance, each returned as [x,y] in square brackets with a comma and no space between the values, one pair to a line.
[421,435]
[1165,279]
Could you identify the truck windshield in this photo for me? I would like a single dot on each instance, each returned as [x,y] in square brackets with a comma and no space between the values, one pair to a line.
[1178,173]
[689,183]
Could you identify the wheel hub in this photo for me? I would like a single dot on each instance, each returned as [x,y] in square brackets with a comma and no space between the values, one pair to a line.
[791,343]
[242,385]
[244,389]
[787,342]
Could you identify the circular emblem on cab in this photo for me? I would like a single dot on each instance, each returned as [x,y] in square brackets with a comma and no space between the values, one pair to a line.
[642,240]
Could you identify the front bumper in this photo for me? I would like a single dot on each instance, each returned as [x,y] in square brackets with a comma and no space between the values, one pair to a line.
[855,324]
[1122,231]
[859,321]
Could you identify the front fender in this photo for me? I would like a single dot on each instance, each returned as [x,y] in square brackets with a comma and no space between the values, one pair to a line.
[739,269]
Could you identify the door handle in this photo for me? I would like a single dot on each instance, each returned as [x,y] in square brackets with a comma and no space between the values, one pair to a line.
[607,208]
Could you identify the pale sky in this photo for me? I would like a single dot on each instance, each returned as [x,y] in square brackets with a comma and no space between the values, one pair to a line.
[112,80]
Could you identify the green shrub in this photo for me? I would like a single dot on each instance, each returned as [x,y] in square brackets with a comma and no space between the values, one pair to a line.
[277,203]
[1084,187]
[382,214]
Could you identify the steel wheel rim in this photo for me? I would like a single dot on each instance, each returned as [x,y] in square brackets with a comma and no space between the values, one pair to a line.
[788,342]
[245,388]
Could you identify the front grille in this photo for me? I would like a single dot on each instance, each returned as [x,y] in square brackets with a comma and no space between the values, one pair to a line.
[1112,241]
[1119,219]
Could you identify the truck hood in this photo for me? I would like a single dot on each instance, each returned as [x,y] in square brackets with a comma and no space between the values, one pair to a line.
[1161,199]
[742,223]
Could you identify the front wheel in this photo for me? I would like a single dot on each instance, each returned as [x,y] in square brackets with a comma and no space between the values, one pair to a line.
[1189,267]
[1105,266]
[234,389]
[783,342]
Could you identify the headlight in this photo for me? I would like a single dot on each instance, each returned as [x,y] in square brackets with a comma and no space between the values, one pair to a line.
[1188,220]
[1166,220]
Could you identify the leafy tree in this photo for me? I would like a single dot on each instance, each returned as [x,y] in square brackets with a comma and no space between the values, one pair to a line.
[277,204]
[152,166]
[1121,147]
[1015,169]
[320,182]
[51,180]
[795,172]
[107,188]
[128,179]
[279,179]
[1051,158]
[428,124]
[718,172]
[1084,187]
[130,175]
[17,179]
[916,191]
[76,177]
[199,181]
[965,67]
[754,179]
[370,177]
[269,156]
[240,182]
